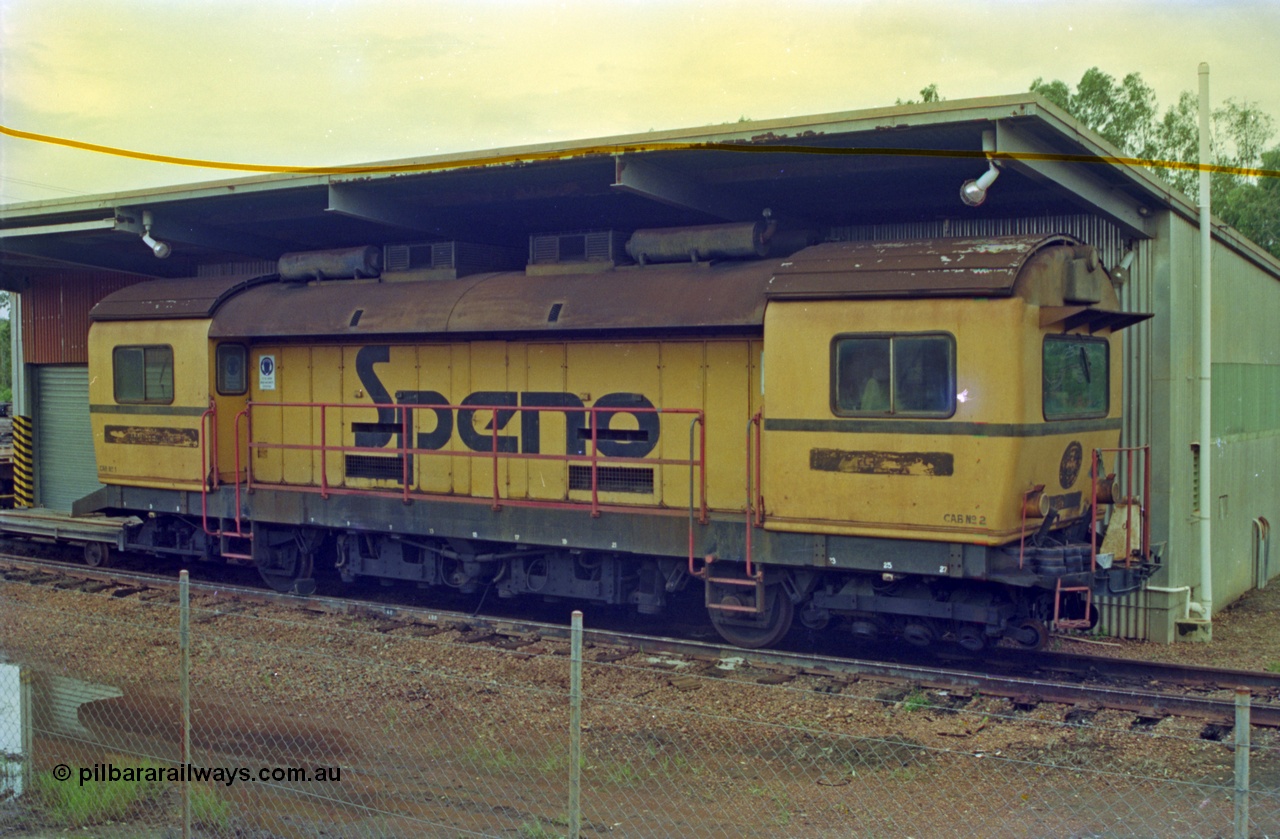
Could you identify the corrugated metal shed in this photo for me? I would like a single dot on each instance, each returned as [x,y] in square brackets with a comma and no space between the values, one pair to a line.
[55,314]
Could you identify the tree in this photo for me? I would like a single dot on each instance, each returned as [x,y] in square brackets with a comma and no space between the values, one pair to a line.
[929,93]
[1126,114]
[1254,208]
[6,359]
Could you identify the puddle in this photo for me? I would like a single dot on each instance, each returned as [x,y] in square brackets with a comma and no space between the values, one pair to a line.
[12,753]
[52,705]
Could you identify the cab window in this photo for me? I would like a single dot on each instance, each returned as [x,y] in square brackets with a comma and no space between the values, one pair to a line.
[231,360]
[143,374]
[1076,377]
[893,375]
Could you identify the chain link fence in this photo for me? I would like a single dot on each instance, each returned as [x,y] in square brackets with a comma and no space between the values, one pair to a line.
[309,723]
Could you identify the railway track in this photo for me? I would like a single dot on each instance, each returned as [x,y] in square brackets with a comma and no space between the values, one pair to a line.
[1083,684]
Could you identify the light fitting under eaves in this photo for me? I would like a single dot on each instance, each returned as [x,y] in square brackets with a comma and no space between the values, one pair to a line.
[973,193]
[160,249]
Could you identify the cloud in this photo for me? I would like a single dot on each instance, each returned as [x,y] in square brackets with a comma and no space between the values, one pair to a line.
[293,82]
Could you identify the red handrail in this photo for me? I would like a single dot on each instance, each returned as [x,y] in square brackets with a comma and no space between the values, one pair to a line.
[1129,453]
[211,411]
[406,450]
[208,466]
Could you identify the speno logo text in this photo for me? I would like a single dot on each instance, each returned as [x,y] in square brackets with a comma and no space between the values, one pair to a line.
[501,404]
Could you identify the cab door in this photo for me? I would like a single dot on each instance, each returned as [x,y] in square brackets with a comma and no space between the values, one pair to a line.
[860,398]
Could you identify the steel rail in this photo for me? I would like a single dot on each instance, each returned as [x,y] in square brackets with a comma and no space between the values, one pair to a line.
[1021,689]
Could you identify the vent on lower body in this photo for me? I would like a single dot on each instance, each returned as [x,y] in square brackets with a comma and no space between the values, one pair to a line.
[613,479]
[377,467]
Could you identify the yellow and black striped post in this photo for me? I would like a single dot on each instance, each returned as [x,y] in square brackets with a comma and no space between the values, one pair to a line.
[24,485]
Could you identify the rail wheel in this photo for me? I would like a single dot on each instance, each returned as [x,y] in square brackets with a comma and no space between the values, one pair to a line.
[1030,634]
[972,637]
[97,554]
[289,566]
[744,629]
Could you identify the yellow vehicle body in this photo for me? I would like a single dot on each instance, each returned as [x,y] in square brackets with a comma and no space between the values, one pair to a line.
[969,474]
[711,381]
[963,477]
[898,435]
[155,440]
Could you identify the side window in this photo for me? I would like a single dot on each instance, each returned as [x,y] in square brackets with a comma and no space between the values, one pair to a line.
[893,375]
[143,374]
[231,360]
[1076,377]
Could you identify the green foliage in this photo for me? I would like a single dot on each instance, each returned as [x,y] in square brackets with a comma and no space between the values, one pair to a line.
[914,701]
[6,365]
[1126,114]
[72,804]
[1254,208]
[928,94]
[537,830]
[209,809]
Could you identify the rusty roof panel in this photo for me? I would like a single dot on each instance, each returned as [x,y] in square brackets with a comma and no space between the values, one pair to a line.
[931,267]
[655,297]
[659,297]
[341,308]
[728,295]
[165,299]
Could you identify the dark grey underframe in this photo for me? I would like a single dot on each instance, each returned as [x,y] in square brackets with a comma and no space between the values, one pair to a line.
[541,527]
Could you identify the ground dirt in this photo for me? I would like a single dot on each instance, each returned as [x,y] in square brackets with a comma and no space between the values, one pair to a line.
[440,737]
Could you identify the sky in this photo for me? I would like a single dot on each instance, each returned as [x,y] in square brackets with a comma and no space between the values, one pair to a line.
[288,82]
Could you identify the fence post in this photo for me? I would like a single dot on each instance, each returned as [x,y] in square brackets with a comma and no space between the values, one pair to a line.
[26,716]
[575,727]
[1243,699]
[184,643]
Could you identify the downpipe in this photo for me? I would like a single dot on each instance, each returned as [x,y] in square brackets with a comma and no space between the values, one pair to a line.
[1191,605]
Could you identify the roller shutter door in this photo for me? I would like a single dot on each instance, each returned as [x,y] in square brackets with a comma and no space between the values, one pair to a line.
[65,466]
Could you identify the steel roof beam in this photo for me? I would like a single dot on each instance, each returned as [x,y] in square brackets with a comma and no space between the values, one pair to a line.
[87,256]
[176,230]
[648,180]
[354,202]
[1071,180]
[54,229]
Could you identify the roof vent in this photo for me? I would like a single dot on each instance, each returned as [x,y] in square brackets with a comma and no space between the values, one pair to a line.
[447,260]
[594,246]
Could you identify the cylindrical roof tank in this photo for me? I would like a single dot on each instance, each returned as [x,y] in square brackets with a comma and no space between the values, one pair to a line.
[747,240]
[337,264]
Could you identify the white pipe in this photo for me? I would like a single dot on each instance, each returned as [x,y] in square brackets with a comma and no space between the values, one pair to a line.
[1206,358]
[1191,605]
[16,357]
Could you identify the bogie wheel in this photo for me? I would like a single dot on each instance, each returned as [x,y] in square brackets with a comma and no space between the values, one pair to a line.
[972,637]
[97,554]
[289,568]
[744,629]
[1030,634]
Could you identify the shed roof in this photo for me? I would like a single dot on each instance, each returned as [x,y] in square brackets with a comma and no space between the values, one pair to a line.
[896,165]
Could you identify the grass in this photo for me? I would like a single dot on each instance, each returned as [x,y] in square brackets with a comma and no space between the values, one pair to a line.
[492,759]
[537,830]
[1273,667]
[72,804]
[209,809]
[914,701]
